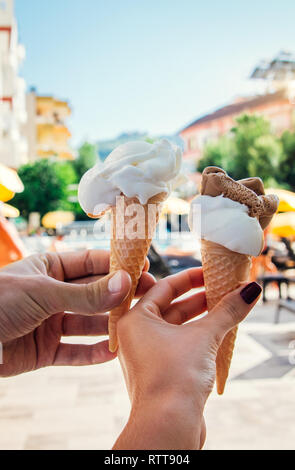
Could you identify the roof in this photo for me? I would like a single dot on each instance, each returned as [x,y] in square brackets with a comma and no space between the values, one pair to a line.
[282,67]
[236,108]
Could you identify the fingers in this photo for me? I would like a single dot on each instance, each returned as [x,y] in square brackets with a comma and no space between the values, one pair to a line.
[83,354]
[87,299]
[168,289]
[146,282]
[80,325]
[79,264]
[186,309]
[232,309]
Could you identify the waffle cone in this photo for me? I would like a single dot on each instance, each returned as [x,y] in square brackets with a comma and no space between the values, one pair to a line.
[128,251]
[224,270]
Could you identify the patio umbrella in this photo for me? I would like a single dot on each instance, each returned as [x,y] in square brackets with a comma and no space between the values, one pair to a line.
[54,219]
[8,211]
[283,225]
[287,199]
[175,205]
[10,183]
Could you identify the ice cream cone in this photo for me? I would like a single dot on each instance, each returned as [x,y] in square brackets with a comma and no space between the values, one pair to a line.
[129,250]
[224,270]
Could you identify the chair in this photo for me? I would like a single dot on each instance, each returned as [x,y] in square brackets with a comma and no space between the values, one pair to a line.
[287,304]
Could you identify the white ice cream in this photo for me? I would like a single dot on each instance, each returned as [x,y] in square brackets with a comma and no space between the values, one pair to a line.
[136,169]
[226,222]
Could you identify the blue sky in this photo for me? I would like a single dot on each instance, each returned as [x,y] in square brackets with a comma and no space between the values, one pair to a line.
[148,65]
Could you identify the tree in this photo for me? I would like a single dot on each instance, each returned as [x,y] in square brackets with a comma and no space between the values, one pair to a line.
[257,152]
[66,174]
[46,187]
[287,164]
[87,158]
[250,150]
[43,188]
[217,153]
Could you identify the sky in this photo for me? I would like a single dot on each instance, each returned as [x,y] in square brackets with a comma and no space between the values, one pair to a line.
[147,65]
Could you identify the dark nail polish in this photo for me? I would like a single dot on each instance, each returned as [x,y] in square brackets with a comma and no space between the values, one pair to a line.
[250,292]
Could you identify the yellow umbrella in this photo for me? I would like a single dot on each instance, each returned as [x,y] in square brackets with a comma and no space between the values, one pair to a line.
[287,199]
[10,183]
[53,219]
[283,225]
[8,211]
[175,205]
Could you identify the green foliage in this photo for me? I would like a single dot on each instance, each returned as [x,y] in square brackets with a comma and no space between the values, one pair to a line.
[250,150]
[47,183]
[87,158]
[67,175]
[287,166]
[44,189]
[216,154]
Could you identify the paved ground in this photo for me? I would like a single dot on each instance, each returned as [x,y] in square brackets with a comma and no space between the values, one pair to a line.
[85,408]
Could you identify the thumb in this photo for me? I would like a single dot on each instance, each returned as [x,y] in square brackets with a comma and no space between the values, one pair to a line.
[232,309]
[88,299]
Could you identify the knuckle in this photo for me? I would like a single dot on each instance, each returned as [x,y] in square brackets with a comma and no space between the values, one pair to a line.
[217,339]
[40,283]
[151,307]
[231,311]
[184,316]
[94,295]
[88,262]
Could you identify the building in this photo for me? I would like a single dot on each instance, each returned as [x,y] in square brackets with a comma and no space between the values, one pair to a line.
[13,145]
[277,105]
[46,129]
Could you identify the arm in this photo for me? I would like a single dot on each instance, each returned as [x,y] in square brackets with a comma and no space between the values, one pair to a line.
[163,421]
[169,365]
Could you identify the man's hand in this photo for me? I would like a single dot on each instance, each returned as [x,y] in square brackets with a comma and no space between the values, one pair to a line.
[36,292]
[169,365]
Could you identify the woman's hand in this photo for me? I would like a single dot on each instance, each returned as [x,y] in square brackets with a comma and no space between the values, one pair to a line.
[169,365]
[36,292]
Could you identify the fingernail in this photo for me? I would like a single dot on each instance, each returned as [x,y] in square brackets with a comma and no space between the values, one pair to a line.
[115,283]
[250,292]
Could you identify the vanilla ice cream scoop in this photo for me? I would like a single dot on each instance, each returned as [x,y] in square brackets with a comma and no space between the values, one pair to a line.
[226,222]
[232,213]
[136,169]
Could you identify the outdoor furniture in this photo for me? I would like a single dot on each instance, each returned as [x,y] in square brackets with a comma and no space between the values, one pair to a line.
[279,279]
[158,265]
[287,304]
[177,263]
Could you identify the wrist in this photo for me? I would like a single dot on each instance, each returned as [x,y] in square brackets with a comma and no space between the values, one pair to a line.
[160,420]
[174,390]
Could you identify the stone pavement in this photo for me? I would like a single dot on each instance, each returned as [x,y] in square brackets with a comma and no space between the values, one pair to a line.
[85,408]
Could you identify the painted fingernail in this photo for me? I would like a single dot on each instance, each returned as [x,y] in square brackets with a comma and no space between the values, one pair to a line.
[115,283]
[250,292]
